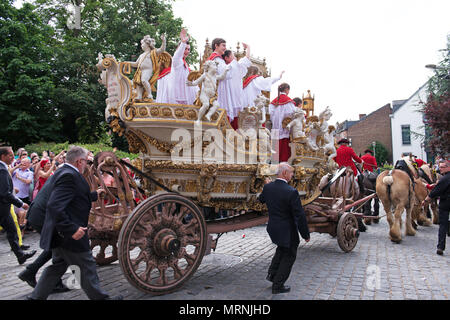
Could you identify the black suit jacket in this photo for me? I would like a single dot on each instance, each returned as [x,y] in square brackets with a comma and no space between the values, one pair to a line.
[68,209]
[7,196]
[36,212]
[286,214]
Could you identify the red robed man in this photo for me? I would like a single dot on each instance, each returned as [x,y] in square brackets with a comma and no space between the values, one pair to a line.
[346,155]
[370,163]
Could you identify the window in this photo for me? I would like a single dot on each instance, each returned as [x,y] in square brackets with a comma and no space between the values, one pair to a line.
[406,134]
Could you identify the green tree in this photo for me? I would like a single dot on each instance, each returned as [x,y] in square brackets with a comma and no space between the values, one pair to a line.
[27,113]
[115,27]
[436,109]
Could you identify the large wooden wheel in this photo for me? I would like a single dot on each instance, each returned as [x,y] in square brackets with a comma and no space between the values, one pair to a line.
[162,243]
[347,232]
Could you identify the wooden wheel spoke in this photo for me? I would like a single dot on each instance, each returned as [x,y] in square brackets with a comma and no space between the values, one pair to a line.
[162,280]
[146,275]
[138,242]
[183,212]
[178,272]
[190,258]
[193,240]
[144,229]
[135,262]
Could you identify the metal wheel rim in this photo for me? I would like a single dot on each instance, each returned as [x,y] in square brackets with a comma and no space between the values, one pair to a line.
[166,214]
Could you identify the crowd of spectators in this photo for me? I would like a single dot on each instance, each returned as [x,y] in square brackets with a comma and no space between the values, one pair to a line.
[30,171]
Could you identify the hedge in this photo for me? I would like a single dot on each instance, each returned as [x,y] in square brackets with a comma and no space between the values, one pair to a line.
[58,147]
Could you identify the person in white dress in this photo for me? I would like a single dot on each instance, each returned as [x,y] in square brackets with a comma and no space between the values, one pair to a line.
[172,86]
[254,84]
[230,89]
[280,108]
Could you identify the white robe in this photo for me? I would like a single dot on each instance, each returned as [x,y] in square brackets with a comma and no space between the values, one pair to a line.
[164,91]
[183,94]
[277,115]
[254,88]
[230,92]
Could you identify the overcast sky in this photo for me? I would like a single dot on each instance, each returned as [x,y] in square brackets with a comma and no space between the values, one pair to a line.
[354,55]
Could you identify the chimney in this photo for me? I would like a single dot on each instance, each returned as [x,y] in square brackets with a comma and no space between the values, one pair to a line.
[361,115]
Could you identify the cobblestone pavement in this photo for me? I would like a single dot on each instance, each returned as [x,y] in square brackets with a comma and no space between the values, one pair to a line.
[376,269]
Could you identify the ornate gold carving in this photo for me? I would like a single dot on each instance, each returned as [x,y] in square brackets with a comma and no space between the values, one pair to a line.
[179,113]
[130,112]
[167,112]
[191,114]
[135,144]
[154,111]
[143,111]
[160,145]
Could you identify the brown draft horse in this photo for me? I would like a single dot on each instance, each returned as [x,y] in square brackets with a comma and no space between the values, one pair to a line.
[420,176]
[395,191]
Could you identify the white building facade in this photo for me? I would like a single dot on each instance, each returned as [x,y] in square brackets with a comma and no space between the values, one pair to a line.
[408,128]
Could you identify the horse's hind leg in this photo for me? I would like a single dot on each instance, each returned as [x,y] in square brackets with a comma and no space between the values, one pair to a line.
[409,227]
[395,232]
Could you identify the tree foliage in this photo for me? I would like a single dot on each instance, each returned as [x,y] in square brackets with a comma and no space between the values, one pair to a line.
[26,87]
[52,90]
[437,108]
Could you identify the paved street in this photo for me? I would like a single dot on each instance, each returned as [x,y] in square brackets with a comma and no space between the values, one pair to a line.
[376,269]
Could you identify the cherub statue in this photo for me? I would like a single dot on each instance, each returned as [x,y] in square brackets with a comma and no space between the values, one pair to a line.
[297,124]
[329,147]
[260,103]
[208,92]
[324,117]
[312,131]
[148,66]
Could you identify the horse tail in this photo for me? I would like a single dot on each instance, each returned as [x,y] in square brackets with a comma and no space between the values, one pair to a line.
[388,181]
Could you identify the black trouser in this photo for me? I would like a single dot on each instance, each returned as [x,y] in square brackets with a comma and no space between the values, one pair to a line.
[62,259]
[282,263]
[368,207]
[7,223]
[41,260]
[443,228]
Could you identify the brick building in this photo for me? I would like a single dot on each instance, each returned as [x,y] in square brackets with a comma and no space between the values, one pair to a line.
[375,126]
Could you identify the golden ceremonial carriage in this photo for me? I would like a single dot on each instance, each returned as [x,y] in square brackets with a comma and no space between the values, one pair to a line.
[199,177]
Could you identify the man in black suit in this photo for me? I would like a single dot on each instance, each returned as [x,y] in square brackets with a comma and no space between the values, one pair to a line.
[7,198]
[35,219]
[65,229]
[286,219]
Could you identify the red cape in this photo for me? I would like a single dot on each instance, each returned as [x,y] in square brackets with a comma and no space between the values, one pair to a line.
[166,71]
[249,79]
[214,55]
[284,99]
